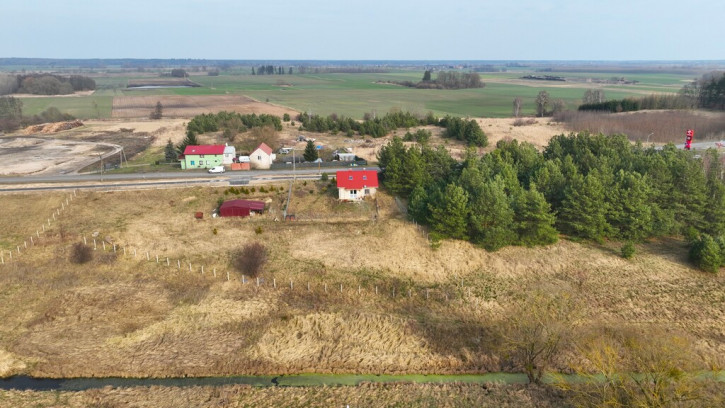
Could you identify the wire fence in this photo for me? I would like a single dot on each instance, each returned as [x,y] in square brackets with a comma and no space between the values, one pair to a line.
[225,272]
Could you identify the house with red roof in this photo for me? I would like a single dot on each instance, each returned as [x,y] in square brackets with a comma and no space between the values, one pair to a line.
[202,157]
[262,157]
[355,185]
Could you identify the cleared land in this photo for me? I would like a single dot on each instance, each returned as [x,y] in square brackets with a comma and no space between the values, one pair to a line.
[71,150]
[435,311]
[189,106]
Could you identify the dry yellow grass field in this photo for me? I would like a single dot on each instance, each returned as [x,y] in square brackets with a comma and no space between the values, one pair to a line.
[343,291]
[366,395]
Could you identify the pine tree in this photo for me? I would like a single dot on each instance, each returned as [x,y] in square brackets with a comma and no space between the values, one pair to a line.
[310,153]
[534,220]
[189,140]
[715,204]
[583,212]
[158,112]
[628,209]
[706,254]
[170,152]
[492,218]
[418,205]
[449,214]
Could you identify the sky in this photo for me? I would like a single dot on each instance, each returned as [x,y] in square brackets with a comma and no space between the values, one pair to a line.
[364,30]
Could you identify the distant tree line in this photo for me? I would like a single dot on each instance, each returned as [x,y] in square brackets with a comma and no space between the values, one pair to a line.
[587,186]
[456,128]
[45,84]
[446,80]
[306,69]
[11,115]
[271,70]
[707,92]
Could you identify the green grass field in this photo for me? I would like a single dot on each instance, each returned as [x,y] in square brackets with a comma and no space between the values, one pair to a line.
[355,94]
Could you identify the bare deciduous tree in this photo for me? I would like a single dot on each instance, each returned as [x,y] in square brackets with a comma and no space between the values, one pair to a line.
[534,332]
[542,102]
[517,107]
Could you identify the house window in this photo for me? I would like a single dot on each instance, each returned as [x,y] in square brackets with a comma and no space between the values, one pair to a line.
[349,178]
[201,156]
[259,158]
[353,193]
[365,177]
[192,162]
[367,191]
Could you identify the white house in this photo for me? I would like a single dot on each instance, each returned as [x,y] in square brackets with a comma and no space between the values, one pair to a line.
[354,185]
[229,153]
[262,157]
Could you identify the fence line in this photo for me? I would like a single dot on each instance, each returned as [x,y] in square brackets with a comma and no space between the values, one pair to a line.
[257,283]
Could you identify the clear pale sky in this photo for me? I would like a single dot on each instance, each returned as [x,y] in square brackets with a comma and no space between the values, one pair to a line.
[365,30]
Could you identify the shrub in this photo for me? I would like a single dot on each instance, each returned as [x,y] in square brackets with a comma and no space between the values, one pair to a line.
[628,250]
[214,231]
[253,190]
[262,190]
[705,253]
[250,259]
[258,230]
[324,177]
[80,253]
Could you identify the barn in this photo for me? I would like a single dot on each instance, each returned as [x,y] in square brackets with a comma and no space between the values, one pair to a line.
[241,208]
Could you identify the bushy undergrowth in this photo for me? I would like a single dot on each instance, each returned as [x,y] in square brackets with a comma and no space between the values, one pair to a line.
[250,259]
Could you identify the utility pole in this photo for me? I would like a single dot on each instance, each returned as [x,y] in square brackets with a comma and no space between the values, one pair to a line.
[101,156]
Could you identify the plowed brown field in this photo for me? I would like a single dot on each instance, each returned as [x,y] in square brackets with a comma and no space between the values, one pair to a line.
[189,106]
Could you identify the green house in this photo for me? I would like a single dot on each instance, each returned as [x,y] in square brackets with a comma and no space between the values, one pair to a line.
[202,157]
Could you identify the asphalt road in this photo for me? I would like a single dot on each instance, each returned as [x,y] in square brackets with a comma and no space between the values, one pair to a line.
[68,181]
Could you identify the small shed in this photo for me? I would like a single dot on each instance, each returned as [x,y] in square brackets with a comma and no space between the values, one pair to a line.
[241,208]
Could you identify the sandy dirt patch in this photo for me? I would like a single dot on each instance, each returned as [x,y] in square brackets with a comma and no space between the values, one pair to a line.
[184,106]
[36,155]
[69,150]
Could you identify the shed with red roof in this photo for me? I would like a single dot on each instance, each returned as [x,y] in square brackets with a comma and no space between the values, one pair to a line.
[354,185]
[240,208]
